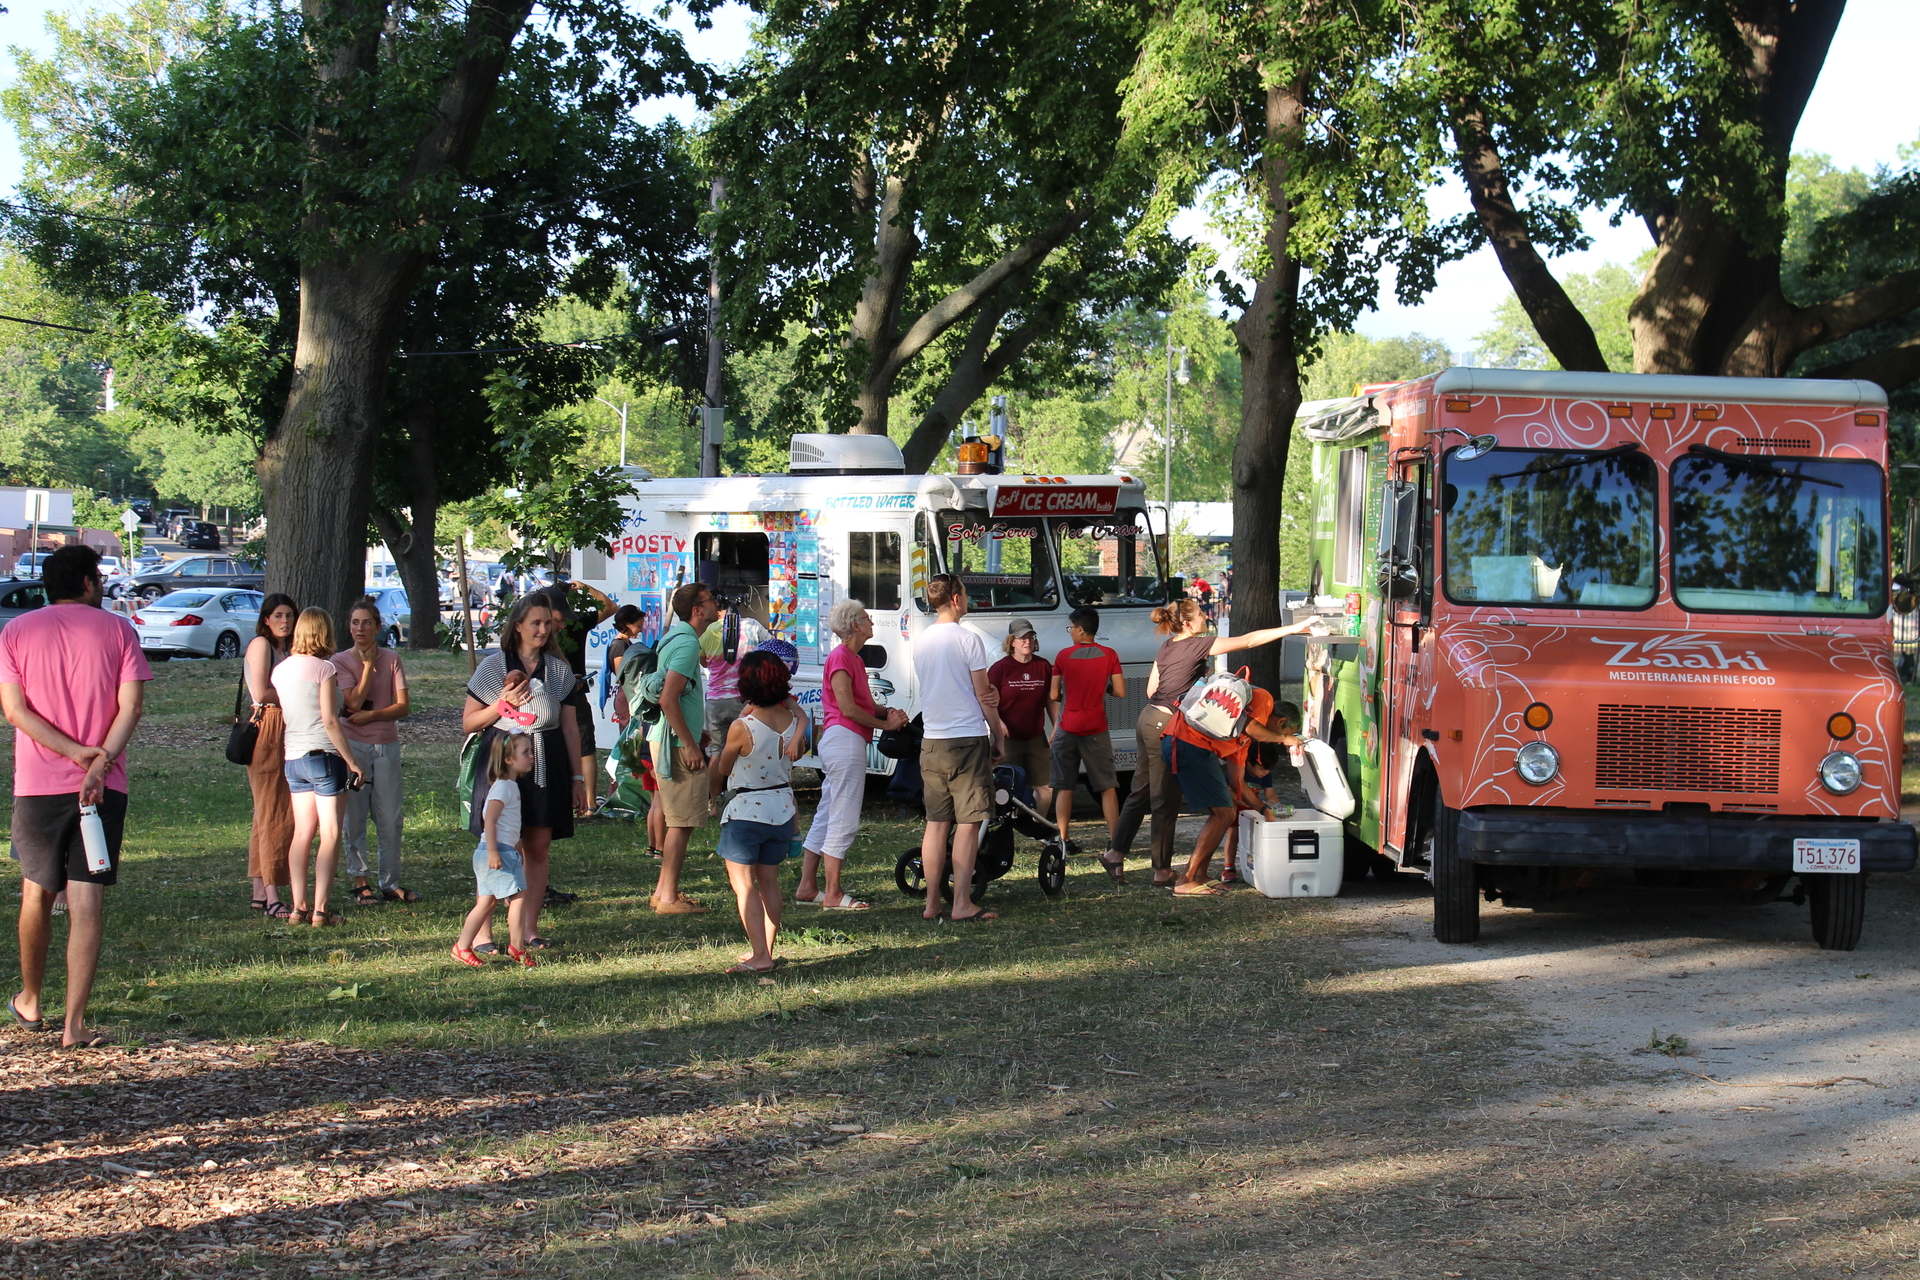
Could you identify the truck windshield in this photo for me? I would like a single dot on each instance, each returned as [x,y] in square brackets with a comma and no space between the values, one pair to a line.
[1550,527]
[1110,562]
[1004,563]
[1778,535]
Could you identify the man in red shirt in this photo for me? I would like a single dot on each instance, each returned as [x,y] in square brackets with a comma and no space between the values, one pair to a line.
[1085,675]
[72,681]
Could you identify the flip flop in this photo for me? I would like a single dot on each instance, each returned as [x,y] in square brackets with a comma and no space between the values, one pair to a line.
[1200,891]
[485,949]
[744,967]
[93,1040]
[846,903]
[36,1024]
[978,917]
[817,900]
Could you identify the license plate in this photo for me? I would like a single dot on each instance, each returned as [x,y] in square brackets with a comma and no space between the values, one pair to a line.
[1830,856]
[1124,759]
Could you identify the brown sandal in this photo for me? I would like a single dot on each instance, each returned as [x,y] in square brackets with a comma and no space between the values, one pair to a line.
[323,919]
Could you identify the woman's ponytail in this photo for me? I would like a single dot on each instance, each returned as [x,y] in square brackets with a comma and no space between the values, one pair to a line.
[1177,616]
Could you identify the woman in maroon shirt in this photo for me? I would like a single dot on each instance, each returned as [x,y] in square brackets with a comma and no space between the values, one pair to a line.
[1023,678]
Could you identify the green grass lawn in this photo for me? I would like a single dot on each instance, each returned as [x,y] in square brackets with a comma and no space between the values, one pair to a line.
[1111,1083]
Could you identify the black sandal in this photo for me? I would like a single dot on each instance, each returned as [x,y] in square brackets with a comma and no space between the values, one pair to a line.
[402,894]
[365,895]
[274,909]
[259,904]
[1116,870]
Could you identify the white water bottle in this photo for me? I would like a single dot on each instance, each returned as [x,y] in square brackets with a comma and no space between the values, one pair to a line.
[93,834]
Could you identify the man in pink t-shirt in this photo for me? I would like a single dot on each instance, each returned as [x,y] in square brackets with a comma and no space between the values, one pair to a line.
[71,684]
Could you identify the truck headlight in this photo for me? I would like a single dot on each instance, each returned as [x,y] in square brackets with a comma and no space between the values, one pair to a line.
[1539,763]
[1840,773]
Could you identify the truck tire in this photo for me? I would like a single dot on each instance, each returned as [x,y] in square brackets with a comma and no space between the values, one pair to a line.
[1839,909]
[1456,895]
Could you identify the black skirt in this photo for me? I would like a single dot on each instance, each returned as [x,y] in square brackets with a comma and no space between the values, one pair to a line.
[549,806]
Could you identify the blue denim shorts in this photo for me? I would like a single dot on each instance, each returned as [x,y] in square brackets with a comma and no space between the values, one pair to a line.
[510,879]
[1201,774]
[756,844]
[323,773]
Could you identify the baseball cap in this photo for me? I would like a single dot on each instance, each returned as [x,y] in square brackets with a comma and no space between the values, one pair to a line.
[1019,627]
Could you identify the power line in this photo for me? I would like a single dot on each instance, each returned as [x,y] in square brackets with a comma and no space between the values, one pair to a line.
[47,324]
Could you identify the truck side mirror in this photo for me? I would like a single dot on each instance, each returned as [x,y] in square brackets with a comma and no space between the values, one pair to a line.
[1399,512]
[1904,597]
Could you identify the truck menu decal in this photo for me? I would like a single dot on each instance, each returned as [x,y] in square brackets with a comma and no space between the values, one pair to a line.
[1692,652]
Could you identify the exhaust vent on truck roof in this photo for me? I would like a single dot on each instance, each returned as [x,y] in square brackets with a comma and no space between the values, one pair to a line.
[833,455]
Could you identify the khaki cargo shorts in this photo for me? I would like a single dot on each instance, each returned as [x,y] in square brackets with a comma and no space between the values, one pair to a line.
[956,775]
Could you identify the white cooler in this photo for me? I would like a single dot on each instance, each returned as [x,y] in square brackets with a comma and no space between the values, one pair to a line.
[1298,857]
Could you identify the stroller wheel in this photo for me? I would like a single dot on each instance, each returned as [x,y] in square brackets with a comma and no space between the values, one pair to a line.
[1053,869]
[909,875]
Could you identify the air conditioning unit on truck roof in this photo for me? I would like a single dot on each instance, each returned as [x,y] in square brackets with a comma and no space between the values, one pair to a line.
[832,455]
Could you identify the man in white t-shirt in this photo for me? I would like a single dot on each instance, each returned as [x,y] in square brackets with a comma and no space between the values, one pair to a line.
[963,739]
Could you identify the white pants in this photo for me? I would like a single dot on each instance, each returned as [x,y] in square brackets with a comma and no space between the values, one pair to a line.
[843,759]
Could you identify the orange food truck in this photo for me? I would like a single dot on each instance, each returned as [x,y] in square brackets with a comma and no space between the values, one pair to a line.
[1612,627]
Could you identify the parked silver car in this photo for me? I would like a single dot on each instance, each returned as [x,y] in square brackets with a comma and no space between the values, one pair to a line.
[18,596]
[198,623]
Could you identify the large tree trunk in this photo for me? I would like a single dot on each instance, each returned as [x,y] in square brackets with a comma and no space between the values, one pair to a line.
[1270,393]
[316,473]
[1712,301]
[411,537]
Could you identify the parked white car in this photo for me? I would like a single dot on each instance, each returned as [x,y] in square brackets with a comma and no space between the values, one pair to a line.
[198,623]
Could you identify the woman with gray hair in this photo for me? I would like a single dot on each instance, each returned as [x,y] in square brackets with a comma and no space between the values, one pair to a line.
[851,718]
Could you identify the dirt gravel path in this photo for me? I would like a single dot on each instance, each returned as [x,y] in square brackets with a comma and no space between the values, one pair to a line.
[1759,1007]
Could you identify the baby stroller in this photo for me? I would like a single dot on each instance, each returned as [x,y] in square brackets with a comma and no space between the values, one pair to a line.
[1013,812]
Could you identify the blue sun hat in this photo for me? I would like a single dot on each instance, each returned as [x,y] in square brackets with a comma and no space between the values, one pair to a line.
[782,650]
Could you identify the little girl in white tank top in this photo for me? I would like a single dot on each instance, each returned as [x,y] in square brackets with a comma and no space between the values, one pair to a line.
[757,829]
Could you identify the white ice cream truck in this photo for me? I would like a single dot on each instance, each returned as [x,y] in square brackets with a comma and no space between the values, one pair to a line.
[847,521]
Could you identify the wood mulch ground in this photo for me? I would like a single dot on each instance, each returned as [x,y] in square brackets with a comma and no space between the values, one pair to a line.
[291,1159]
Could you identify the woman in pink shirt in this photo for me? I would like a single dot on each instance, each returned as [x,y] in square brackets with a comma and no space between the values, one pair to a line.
[850,716]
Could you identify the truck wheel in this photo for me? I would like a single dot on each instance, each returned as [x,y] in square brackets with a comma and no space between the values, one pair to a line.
[1456,896]
[1839,905]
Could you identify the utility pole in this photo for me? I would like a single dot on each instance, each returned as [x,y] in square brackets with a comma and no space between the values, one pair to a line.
[622,411]
[1166,492]
[713,411]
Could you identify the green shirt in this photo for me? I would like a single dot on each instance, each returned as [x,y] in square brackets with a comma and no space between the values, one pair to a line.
[679,650]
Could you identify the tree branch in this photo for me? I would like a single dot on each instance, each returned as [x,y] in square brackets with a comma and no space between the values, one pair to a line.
[1896,366]
[955,307]
[469,89]
[1805,37]
[1562,328]
[1866,306]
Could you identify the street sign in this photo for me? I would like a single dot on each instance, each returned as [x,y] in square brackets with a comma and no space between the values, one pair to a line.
[129,520]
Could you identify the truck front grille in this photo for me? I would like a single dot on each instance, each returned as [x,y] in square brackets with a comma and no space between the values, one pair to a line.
[1732,751]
